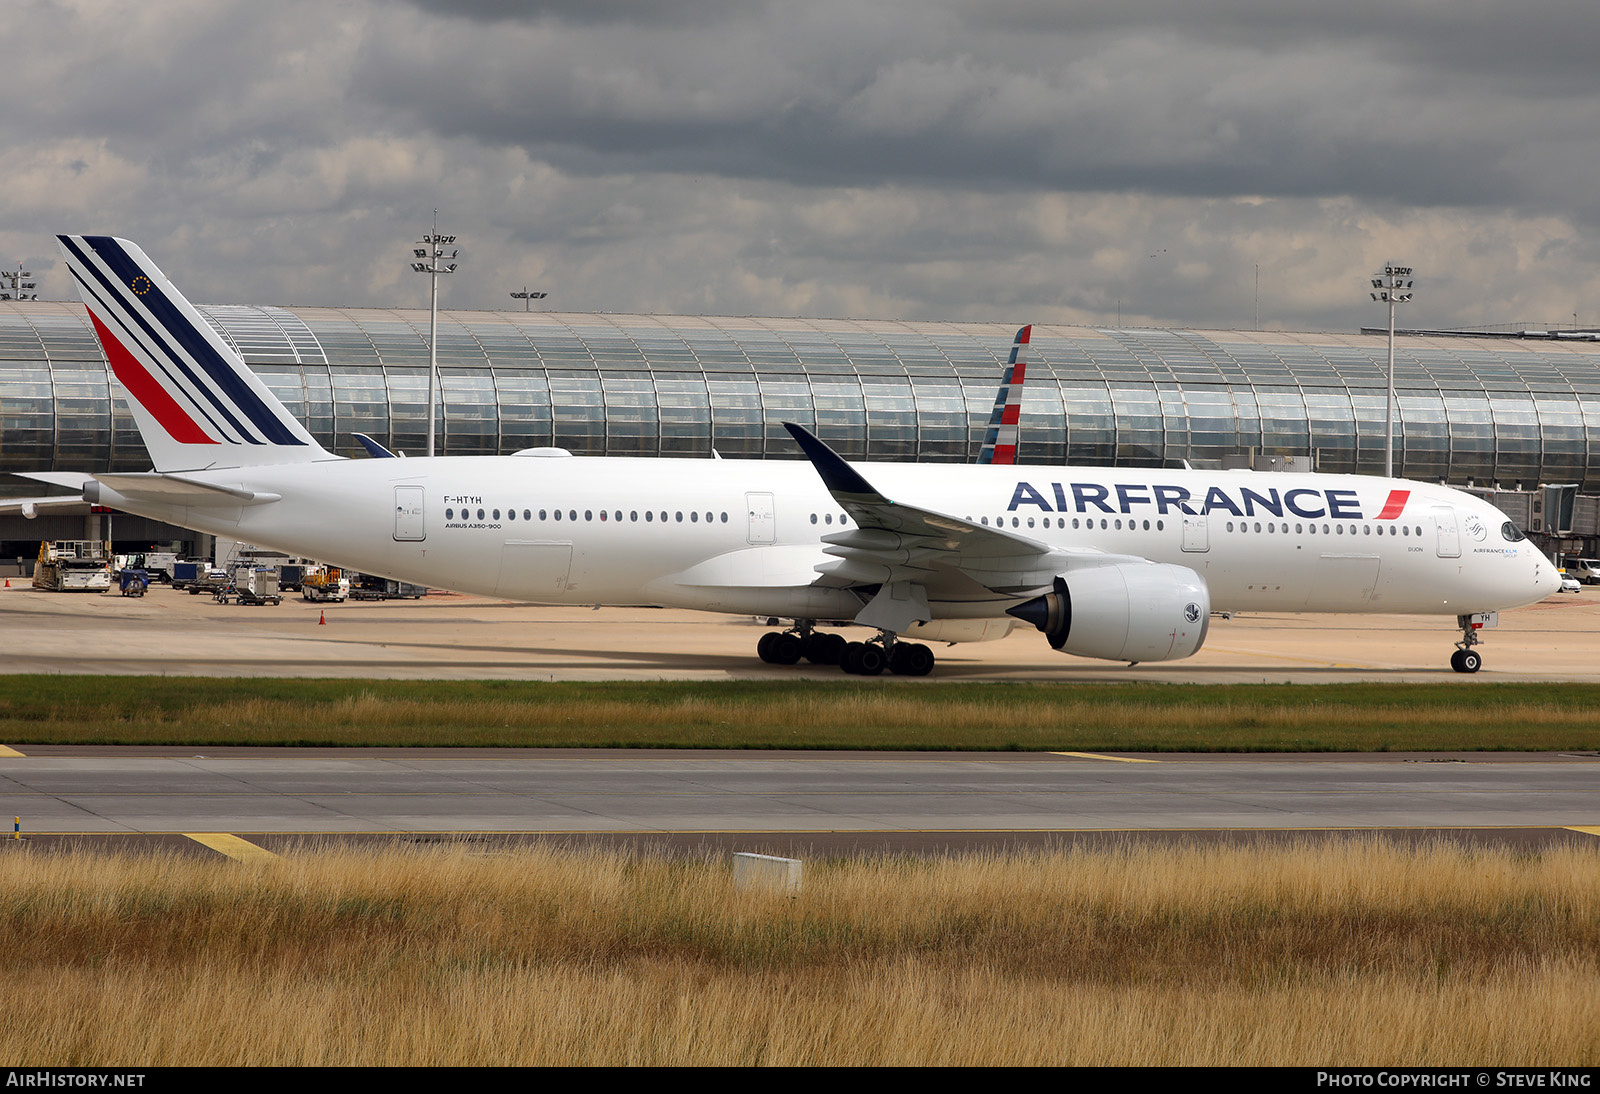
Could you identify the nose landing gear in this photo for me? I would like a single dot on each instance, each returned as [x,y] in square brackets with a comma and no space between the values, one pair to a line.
[1467,659]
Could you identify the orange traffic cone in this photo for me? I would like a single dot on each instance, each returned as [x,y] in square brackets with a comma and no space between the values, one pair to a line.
[8,583]
[322,619]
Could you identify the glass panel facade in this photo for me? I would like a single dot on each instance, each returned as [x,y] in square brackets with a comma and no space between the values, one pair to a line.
[1478,409]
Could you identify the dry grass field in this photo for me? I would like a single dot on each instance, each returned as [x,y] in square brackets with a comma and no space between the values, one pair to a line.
[1342,953]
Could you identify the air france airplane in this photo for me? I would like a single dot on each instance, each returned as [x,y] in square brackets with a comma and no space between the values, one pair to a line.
[1113,563]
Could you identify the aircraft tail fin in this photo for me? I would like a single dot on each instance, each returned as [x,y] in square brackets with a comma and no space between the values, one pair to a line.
[196,402]
[1000,441]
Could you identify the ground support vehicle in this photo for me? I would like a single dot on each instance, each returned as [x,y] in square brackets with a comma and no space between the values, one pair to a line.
[369,587]
[325,585]
[73,566]
[250,585]
[132,582]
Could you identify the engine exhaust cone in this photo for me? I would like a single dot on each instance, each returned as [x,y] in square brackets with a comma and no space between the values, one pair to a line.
[1035,611]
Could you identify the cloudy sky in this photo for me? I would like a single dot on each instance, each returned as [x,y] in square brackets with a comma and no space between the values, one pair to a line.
[1006,160]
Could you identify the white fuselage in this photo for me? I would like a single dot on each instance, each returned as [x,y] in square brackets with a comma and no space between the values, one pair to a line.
[744,536]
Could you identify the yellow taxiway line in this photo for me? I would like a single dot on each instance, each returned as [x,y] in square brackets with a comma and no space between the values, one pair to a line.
[1098,756]
[7,750]
[1586,829]
[235,848]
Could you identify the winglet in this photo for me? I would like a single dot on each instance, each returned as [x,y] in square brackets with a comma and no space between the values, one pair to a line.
[837,475]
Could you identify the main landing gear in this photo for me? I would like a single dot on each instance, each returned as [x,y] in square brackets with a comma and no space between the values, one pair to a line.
[869,658]
[1467,659]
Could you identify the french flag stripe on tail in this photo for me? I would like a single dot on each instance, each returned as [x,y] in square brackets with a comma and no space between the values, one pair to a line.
[148,390]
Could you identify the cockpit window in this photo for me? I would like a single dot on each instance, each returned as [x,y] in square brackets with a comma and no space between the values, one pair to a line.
[1512,532]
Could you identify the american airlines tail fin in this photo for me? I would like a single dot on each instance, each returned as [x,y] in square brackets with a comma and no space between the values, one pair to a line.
[196,402]
[1000,441]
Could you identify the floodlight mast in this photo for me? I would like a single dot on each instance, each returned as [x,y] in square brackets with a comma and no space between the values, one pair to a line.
[528,297]
[1392,286]
[14,280]
[434,261]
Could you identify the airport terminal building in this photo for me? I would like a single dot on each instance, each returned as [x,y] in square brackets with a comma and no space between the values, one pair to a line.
[1509,411]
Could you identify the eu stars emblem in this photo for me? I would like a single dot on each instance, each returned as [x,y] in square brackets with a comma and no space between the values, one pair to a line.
[141,285]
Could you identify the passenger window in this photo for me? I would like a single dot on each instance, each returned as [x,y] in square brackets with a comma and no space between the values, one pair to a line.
[633,515]
[678,517]
[828,519]
[694,518]
[602,514]
[497,514]
[813,518]
[649,516]
[449,514]
[588,514]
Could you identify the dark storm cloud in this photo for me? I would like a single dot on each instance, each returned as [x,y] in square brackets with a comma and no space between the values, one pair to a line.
[915,158]
[1146,95]
[644,12]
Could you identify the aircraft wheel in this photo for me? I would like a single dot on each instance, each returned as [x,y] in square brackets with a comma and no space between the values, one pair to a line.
[850,659]
[1466,661]
[872,660]
[825,649]
[786,650]
[919,660]
[764,647]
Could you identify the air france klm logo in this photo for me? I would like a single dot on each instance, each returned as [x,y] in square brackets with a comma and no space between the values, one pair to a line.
[1094,497]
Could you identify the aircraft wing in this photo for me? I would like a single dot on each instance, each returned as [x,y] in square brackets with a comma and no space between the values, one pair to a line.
[917,554]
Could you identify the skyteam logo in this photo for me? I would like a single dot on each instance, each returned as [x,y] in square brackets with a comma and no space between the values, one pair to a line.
[1127,498]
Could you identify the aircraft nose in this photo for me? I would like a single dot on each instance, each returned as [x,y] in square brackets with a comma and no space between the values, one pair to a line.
[1545,578]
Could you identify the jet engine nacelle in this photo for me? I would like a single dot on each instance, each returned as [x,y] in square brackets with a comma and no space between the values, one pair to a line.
[1124,612]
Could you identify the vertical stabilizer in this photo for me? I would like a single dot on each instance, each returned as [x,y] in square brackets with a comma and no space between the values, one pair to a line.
[196,402]
[1000,440]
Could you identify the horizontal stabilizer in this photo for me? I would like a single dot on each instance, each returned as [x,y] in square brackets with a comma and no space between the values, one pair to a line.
[72,480]
[178,490]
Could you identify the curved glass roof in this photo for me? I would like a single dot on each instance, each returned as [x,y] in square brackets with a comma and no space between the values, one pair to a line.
[1488,410]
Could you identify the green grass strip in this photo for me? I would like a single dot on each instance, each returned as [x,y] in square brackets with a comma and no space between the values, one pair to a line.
[875,714]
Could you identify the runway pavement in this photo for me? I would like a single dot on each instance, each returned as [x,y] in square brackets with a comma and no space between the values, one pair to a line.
[904,798]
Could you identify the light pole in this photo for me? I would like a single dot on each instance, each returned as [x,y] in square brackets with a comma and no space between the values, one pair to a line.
[13,280]
[528,297]
[434,261]
[1393,286]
